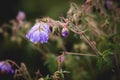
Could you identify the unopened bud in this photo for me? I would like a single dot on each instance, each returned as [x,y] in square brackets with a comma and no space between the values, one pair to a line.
[64,32]
[20,16]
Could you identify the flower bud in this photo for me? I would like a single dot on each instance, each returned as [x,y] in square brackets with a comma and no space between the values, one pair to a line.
[5,67]
[20,16]
[64,32]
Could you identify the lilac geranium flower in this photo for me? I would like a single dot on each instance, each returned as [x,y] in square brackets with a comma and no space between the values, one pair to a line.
[5,67]
[39,33]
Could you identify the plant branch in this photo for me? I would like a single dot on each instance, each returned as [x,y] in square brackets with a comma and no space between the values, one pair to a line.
[87,41]
[79,54]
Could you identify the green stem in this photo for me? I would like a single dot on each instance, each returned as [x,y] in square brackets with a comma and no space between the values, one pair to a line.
[87,41]
[79,54]
[90,44]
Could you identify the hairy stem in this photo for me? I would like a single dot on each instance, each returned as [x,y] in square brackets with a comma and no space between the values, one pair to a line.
[88,41]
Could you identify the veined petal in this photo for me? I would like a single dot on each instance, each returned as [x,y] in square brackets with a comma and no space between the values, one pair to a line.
[47,28]
[35,37]
[34,28]
[43,37]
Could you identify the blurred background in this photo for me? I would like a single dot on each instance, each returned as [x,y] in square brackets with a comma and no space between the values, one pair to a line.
[33,9]
[17,48]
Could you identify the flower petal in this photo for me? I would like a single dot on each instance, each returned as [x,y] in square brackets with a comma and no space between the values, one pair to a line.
[35,37]
[43,37]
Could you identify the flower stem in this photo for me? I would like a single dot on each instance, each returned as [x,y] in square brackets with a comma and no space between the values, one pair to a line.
[87,41]
[79,54]
[13,63]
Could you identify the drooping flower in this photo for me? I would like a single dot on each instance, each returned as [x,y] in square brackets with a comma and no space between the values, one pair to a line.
[64,32]
[39,33]
[5,67]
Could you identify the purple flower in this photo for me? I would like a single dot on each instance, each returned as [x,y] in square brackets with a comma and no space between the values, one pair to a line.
[108,4]
[64,32]
[39,33]
[5,67]
[20,16]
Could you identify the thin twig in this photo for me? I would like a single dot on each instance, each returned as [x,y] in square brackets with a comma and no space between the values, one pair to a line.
[79,54]
[8,60]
